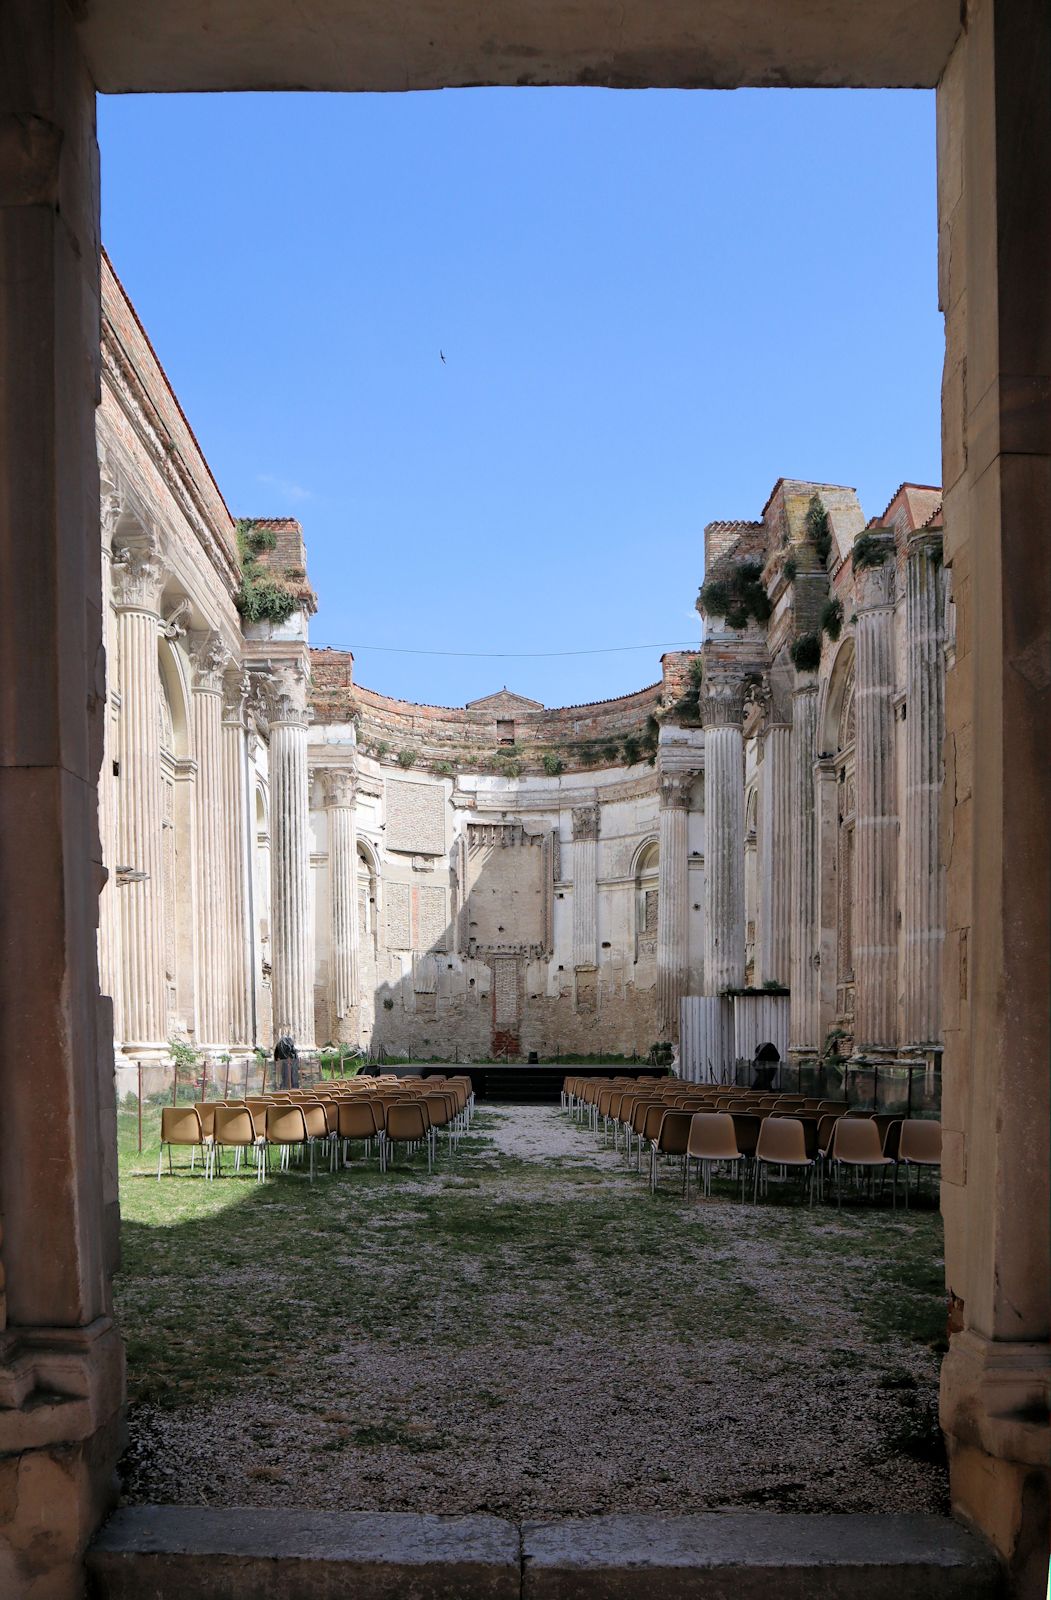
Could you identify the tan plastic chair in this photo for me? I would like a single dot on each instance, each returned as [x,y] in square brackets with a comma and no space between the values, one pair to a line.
[782,1143]
[713,1139]
[672,1138]
[408,1124]
[181,1125]
[919,1146]
[286,1127]
[856,1143]
[358,1119]
[234,1130]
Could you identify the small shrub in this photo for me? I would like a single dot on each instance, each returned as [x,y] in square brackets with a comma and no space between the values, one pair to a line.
[553,764]
[818,529]
[805,651]
[868,551]
[632,748]
[610,751]
[790,568]
[406,758]
[589,755]
[265,599]
[510,766]
[380,749]
[832,618]
[736,593]
[444,769]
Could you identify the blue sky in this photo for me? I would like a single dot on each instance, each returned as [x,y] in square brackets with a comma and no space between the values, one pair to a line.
[651,305]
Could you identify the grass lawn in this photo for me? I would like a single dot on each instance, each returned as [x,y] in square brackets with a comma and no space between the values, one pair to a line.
[526,1331]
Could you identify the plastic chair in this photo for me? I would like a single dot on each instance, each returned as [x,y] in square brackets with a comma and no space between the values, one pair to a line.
[919,1146]
[713,1139]
[181,1125]
[357,1119]
[856,1143]
[286,1127]
[673,1135]
[408,1124]
[234,1130]
[782,1143]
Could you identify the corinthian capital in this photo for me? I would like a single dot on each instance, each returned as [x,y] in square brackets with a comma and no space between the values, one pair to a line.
[722,702]
[139,575]
[339,786]
[675,789]
[236,688]
[585,822]
[210,659]
[289,696]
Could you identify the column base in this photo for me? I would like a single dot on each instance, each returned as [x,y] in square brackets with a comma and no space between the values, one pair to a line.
[61,1435]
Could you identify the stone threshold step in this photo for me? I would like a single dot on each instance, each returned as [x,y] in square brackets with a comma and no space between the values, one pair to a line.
[199,1553]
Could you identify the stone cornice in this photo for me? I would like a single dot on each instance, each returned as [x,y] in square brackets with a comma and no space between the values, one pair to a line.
[131,396]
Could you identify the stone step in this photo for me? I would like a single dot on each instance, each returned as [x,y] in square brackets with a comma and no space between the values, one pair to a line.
[200,1553]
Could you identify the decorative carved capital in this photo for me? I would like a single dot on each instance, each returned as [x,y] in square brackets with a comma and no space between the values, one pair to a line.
[339,786]
[210,659]
[288,696]
[138,575]
[676,788]
[237,686]
[874,585]
[722,702]
[172,627]
[925,545]
[585,822]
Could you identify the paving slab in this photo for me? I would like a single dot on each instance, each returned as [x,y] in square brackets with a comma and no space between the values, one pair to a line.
[198,1553]
[735,1556]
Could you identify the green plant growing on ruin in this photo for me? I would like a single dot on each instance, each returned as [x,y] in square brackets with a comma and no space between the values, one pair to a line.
[611,751]
[832,618]
[183,1053]
[380,749]
[552,764]
[819,529]
[406,758]
[869,551]
[790,568]
[736,592]
[260,596]
[805,651]
[444,769]
[510,766]
[588,755]
[631,745]
[253,537]
[688,706]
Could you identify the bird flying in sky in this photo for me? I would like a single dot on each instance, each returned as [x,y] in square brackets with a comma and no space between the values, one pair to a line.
[442,354]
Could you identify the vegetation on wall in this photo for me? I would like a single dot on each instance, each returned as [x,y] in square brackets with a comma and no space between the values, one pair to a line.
[736,592]
[805,651]
[832,618]
[790,568]
[687,709]
[819,529]
[552,764]
[261,597]
[870,550]
[406,758]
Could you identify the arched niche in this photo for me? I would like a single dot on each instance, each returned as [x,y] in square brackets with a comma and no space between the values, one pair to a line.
[645,870]
[368,896]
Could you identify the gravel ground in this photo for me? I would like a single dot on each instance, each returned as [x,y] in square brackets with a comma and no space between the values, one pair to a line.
[529,1333]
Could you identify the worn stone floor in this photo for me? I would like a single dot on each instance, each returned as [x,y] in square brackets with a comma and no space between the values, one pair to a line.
[526,1331]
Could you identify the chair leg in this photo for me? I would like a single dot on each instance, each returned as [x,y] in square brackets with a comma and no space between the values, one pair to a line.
[160,1159]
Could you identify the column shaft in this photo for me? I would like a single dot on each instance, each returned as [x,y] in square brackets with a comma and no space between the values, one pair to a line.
[140,818]
[235,824]
[775,855]
[585,868]
[340,791]
[724,857]
[804,1008]
[876,826]
[673,910]
[212,987]
[293,943]
[924,892]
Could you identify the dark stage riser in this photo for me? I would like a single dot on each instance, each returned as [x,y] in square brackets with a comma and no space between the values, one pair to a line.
[522,1084]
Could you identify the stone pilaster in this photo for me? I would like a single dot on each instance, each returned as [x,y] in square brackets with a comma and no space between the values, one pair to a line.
[585,867]
[876,826]
[212,987]
[924,891]
[673,900]
[339,786]
[292,982]
[138,579]
[237,856]
[775,852]
[804,1008]
[722,706]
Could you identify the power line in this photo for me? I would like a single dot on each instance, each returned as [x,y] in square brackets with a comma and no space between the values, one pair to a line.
[506,655]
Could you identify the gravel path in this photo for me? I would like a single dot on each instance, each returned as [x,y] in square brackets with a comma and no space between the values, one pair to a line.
[529,1333]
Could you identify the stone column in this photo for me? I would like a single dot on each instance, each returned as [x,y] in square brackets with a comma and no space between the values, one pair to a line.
[722,706]
[673,901]
[876,825]
[61,1367]
[339,786]
[291,912]
[138,581]
[212,987]
[924,897]
[804,1007]
[775,852]
[585,862]
[237,858]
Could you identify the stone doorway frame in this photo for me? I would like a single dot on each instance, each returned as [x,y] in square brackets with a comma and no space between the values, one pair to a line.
[61,1374]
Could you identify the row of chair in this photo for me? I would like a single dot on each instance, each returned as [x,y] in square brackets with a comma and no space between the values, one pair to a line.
[706,1126]
[301,1123]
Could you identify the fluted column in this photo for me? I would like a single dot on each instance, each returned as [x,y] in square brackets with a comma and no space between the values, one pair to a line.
[876,825]
[924,898]
[722,706]
[293,942]
[109,906]
[673,900]
[585,864]
[235,822]
[340,790]
[210,657]
[775,854]
[138,579]
[805,979]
